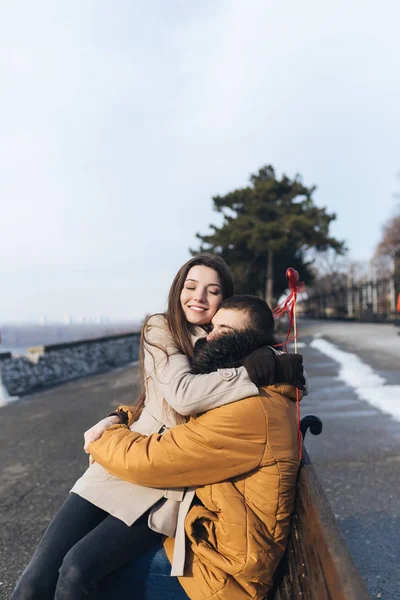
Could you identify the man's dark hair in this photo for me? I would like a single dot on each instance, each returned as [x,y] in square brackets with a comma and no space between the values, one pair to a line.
[258,311]
[229,349]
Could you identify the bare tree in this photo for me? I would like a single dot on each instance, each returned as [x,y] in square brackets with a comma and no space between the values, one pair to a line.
[389,246]
[390,242]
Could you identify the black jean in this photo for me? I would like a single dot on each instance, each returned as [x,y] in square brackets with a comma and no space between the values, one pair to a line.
[82,545]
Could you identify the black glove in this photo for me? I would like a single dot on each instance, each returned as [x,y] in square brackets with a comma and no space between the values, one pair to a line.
[261,366]
[264,367]
[122,415]
[290,370]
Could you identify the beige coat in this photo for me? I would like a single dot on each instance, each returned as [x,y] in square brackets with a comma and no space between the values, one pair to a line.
[187,394]
[243,460]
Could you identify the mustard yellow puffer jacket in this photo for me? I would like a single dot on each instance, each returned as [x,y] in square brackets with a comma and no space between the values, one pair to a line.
[243,460]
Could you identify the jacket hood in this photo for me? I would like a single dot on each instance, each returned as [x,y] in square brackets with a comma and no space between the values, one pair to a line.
[284,389]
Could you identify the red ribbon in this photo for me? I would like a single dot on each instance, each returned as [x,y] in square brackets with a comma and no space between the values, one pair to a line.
[288,305]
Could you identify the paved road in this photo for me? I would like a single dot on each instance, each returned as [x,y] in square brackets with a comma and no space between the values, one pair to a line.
[357,457]
[41,456]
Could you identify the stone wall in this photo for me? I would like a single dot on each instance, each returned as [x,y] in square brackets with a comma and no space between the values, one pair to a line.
[46,366]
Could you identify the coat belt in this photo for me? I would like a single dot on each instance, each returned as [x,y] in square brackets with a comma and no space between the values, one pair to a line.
[178,560]
[176,495]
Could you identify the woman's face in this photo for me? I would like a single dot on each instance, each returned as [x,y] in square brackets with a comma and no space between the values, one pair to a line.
[201,295]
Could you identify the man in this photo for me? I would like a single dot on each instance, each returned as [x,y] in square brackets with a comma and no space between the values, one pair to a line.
[242,459]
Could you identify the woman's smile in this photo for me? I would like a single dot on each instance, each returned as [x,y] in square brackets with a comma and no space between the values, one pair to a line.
[201,295]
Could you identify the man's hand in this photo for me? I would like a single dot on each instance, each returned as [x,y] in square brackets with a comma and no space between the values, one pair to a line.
[266,368]
[95,432]
[289,369]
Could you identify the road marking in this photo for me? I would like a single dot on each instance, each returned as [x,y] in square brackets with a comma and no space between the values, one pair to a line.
[299,345]
[367,384]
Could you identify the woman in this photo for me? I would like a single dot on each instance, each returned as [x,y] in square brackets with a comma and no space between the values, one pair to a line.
[106,521]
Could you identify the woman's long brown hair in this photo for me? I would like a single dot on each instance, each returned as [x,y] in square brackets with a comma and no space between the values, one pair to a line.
[178,325]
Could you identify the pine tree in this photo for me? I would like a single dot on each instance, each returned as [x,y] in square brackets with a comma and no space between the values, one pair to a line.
[267,227]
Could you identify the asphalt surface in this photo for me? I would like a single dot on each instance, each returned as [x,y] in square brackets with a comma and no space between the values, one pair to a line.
[357,457]
[41,440]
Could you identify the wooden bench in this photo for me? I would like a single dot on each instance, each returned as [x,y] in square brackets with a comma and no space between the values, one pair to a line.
[317,564]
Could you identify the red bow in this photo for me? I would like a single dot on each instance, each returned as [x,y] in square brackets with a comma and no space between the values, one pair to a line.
[289,305]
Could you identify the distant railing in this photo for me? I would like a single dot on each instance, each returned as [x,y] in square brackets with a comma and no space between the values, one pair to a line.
[371,300]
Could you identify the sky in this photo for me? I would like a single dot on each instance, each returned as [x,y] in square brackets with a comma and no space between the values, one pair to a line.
[120,121]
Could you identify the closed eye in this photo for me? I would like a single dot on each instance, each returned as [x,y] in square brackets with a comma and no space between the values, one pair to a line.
[227,327]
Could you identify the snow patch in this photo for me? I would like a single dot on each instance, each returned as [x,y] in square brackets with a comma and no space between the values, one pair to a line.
[300,345]
[367,384]
[5,397]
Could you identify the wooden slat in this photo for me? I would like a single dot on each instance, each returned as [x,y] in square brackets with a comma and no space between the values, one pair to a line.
[318,565]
